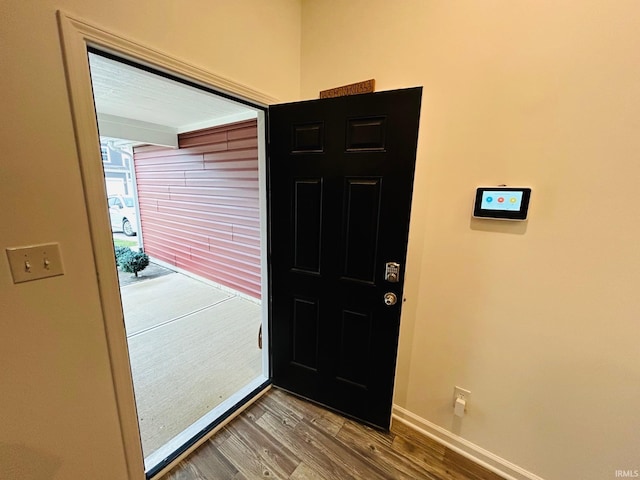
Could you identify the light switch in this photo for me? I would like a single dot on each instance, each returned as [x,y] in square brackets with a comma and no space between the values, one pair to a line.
[35,262]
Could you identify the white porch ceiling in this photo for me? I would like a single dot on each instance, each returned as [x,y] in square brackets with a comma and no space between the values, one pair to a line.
[131,100]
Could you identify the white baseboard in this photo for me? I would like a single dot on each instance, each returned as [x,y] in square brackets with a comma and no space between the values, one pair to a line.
[464,447]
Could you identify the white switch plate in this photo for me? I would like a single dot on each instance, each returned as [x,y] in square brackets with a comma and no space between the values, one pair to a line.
[35,262]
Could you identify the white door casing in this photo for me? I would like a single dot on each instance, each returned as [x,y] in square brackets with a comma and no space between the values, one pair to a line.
[76,37]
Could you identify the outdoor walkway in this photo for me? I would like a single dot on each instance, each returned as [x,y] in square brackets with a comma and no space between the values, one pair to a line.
[191,346]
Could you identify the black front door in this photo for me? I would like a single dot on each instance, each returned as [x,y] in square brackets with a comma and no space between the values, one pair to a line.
[340,177]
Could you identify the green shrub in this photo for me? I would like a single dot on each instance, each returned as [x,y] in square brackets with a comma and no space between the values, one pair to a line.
[133,262]
[121,251]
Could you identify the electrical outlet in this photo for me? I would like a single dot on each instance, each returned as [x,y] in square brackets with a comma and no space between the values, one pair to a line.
[459,392]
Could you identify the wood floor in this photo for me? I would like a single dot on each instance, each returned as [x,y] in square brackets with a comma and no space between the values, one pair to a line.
[283,437]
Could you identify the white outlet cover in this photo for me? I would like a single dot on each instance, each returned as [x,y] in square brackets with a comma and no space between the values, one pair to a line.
[461,392]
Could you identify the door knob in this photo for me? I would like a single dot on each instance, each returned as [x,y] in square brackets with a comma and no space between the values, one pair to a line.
[390,298]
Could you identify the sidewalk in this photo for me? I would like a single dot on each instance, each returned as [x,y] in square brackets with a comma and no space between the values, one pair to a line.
[191,346]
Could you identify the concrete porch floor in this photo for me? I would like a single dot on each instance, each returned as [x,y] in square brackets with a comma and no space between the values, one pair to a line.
[191,346]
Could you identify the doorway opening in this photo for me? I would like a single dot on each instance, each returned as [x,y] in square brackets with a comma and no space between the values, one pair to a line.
[185,182]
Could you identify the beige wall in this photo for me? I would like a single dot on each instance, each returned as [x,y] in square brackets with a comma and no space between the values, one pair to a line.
[58,417]
[541,322]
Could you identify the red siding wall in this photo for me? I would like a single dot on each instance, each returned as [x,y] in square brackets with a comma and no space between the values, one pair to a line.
[199,204]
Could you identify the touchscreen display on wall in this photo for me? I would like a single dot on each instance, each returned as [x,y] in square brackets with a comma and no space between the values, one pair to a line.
[502,203]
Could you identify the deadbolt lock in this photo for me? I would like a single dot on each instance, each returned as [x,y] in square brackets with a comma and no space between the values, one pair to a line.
[392,272]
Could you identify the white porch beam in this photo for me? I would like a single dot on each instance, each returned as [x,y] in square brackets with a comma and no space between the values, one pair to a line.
[136,130]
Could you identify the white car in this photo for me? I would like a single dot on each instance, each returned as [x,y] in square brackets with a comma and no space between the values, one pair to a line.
[124,218]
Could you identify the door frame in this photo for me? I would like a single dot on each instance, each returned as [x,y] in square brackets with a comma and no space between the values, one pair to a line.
[77,36]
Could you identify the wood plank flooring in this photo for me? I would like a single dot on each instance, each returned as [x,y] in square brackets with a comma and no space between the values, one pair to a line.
[284,437]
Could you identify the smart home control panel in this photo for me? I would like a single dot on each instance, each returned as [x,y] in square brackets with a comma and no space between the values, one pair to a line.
[502,203]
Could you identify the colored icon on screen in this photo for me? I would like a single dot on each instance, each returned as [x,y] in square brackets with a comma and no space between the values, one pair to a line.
[500,199]
[513,200]
[489,199]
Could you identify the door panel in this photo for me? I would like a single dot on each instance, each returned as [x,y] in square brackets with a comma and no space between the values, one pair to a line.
[307,204]
[361,218]
[340,179]
[305,333]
